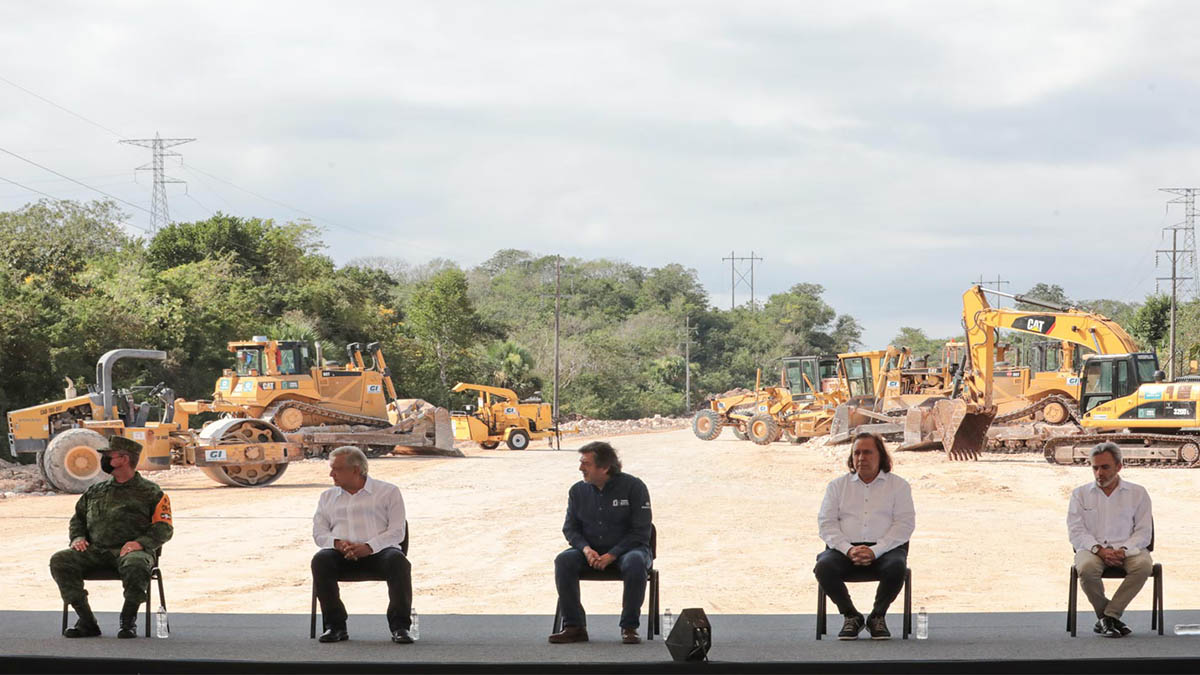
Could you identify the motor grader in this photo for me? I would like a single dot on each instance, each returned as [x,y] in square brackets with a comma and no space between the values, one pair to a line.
[245,446]
[761,415]
[499,416]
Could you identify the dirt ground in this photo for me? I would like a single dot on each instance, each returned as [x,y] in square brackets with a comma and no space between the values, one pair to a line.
[736,522]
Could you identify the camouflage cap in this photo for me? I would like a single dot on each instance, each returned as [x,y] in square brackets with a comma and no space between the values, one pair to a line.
[125,445]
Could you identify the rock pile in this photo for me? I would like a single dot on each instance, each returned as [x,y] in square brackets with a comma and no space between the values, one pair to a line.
[18,480]
[589,427]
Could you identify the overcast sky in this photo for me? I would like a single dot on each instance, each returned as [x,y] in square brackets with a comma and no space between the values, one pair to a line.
[891,151]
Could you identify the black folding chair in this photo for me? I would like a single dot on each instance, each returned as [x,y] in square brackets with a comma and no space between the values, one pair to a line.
[350,576]
[862,575]
[1156,600]
[111,574]
[613,573]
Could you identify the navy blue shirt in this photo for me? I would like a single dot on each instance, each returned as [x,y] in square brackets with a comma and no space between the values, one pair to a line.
[613,520]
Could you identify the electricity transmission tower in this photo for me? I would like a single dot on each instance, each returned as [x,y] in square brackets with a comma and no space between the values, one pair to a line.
[1177,254]
[997,283]
[738,276]
[159,215]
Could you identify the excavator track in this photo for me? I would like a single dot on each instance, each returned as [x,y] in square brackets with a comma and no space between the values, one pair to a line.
[1153,450]
[1031,410]
[325,415]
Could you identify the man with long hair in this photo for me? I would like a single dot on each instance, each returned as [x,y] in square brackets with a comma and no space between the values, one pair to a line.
[866,519]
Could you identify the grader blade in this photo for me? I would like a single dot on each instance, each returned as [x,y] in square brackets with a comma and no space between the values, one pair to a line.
[964,428]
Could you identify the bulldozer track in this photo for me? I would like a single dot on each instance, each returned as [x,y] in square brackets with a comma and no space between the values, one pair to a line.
[1180,440]
[349,418]
[1030,410]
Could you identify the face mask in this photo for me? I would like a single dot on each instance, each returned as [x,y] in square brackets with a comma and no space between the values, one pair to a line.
[106,464]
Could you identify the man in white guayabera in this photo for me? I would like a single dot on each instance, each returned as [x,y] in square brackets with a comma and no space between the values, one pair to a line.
[1110,525]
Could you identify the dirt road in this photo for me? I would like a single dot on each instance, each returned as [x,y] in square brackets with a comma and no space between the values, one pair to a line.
[736,522]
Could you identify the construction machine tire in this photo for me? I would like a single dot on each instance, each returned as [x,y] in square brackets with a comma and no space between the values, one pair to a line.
[763,429]
[1056,412]
[236,429]
[37,461]
[706,424]
[489,445]
[518,439]
[741,434]
[71,462]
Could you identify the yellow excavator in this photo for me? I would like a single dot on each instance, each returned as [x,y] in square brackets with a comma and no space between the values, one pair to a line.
[994,395]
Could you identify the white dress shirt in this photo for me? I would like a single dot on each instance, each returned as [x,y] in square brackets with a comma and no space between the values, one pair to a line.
[880,511]
[374,515]
[1121,519]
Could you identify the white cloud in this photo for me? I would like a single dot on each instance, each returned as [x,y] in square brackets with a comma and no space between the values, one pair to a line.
[889,151]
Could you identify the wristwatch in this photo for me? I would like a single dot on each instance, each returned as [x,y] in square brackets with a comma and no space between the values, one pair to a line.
[1096,549]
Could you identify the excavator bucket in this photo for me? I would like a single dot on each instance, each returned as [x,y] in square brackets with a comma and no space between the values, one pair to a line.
[963,427]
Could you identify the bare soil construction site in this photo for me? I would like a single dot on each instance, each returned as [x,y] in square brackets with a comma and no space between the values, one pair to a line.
[736,523]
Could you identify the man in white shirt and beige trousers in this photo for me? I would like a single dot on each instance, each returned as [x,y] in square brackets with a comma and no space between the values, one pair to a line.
[866,519]
[1110,525]
[359,525]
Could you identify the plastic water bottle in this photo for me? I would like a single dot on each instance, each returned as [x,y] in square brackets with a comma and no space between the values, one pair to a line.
[1187,629]
[667,620]
[161,628]
[415,629]
[922,624]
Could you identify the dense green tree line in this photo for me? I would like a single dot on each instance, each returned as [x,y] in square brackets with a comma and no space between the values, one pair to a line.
[74,284]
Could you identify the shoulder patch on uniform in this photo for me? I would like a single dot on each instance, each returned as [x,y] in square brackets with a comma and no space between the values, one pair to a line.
[162,512]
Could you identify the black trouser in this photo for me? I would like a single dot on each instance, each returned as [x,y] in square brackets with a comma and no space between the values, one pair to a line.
[834,567]
[390,564]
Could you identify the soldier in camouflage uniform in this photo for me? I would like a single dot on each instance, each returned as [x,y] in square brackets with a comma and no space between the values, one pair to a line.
[119,524]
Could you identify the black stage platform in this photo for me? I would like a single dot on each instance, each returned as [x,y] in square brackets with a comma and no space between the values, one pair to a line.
[237,643]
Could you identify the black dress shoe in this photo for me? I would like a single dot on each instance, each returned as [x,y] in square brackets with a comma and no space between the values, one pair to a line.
[401,636]
[852,627]
[334,634]
[82,630]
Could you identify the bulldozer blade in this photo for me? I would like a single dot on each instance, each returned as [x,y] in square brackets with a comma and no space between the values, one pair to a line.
[963,428]
[914,421]
[431,419]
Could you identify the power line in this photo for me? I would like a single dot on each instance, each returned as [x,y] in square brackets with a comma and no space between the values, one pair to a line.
[66,110]
[50,196]
[62,175]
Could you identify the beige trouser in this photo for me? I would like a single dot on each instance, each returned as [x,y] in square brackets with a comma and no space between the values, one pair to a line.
[1090,566]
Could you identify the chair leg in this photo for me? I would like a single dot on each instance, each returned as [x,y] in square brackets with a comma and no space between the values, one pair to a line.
[652,618]
[149,601]
[820,611]
[1158,596]
[657,605]
[1072,601]
[907,604]
[64,626]
[557,626]
[312,619]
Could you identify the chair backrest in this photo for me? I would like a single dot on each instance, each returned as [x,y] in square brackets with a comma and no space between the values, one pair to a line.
[404,544]
[653,542]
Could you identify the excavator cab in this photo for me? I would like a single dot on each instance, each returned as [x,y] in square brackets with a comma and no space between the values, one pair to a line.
[1112,376]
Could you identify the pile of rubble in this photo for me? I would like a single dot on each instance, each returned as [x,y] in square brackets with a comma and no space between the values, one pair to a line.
[18,480]
[589,427]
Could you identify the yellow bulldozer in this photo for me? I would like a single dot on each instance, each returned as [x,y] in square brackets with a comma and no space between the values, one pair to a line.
[762,415]
[276,405]
[500,417]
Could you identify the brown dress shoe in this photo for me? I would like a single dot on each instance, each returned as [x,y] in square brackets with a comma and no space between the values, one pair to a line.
[568,635]
[630,636]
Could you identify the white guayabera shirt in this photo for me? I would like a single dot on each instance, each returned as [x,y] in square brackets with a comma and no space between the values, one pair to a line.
[1122,519]
[880,511]
[374,515]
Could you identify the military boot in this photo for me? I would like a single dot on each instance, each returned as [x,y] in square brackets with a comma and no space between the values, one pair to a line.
[86,626]
[129,614]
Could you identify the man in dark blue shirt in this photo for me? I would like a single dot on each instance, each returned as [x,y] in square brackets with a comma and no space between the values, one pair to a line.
[607,524]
